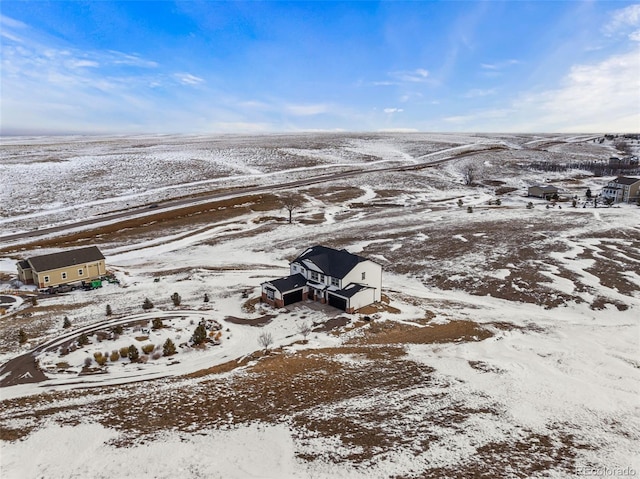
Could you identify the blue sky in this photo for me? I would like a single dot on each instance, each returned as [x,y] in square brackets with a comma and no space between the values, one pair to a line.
[253,67]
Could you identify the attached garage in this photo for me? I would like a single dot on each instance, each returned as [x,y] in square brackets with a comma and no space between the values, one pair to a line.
[292,297]
[337,302]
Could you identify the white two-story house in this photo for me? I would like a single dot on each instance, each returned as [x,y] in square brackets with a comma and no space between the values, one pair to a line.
[336,277]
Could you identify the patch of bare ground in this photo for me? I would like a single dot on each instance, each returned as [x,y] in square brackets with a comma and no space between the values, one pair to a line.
[382,306]
[331,324]
[136,229]
[466,256]
[530,455]
[389,332]
[261,321]
[609,263]
[334,194]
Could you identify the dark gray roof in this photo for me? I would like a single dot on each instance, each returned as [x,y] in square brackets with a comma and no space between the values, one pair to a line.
[289,283]
[24,264]
[545,187]
[350,290]
[65,259]
[626,180]
[332,262]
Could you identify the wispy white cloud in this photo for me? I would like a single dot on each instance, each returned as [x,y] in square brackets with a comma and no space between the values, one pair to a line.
[478,117]
[120,58]
[623,19]
[393,110]
[592,97]
[601,96]
[477,93]
[499,65]
[418,75]
[307,110]
[188,79]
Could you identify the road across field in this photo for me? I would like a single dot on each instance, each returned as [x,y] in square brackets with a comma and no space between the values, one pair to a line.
[171,205]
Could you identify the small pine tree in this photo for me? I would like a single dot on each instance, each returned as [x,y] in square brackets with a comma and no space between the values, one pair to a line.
[589,194]
[175,297]
[109,310]
[157,323]
[22,336]
[498,202]
[168,348]
[147,304]
[117,329]
[133,354]
[34,301]
[530,205]
[460,203]
[66,323]
[199,335]
[83,340]
[469,209]
[206,296]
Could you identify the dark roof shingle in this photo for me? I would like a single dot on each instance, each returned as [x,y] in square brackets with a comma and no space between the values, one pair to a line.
[289,283]
[626,180]
[332,262]
[65,259]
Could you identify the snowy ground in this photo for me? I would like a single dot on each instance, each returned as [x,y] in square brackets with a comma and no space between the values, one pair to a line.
[508,348]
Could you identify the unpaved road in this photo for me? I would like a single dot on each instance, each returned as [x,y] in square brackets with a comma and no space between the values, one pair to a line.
[183,202]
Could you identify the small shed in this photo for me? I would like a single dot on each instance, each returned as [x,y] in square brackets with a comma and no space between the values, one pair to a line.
[542,191]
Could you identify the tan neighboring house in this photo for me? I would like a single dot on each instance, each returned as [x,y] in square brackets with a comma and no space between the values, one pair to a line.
[623,189]
[65,267]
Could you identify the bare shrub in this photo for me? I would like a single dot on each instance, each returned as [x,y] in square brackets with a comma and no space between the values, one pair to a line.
[265,340]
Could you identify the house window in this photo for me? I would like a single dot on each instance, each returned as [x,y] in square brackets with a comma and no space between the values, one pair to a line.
[294,267]
[364,275]
[80,272]
[270,293]
[335,282]
[314,276]
[64,275]
[322,278]
[46,279]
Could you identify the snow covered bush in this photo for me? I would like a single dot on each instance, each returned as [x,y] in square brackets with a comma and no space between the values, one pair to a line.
[148,348]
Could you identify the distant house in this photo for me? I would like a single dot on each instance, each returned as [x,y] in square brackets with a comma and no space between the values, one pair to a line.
[336,277]
[65,267]
[622,190]
[542,191]
[630,162]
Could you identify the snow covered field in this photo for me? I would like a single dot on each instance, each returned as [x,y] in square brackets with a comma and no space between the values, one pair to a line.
[508,345]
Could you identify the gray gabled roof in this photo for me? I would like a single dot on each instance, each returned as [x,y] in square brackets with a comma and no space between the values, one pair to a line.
[626,180]
[351,290]
[332,262]
[288,283]
[64,259]
[547,188]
